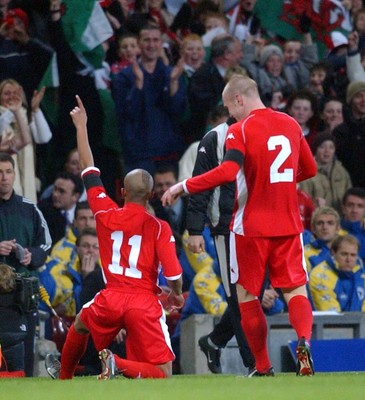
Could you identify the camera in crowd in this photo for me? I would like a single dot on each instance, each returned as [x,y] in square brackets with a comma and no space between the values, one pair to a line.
[27,293]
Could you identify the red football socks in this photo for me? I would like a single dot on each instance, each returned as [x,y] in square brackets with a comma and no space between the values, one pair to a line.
[300,316]
[254,325]
[72,351]
[136,369]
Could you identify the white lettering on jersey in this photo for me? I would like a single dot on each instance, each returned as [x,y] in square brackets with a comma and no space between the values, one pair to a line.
[172,239]
[202,150]
[230,136]
[131,270]
[101,195]
[288,174]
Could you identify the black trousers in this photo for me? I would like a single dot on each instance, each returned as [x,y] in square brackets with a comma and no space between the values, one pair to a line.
[29,342]
[13,330]
[230,322]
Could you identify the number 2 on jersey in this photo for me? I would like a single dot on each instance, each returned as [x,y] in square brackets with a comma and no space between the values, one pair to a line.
[288,174]
[130,270]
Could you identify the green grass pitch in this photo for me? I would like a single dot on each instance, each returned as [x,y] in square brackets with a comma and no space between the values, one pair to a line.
[284,386]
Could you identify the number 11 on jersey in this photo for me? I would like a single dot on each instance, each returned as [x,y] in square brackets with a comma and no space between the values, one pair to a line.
[131,270]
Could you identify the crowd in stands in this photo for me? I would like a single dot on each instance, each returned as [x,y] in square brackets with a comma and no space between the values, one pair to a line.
[152,88]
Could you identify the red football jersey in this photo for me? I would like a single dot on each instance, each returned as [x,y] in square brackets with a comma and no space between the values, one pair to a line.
[133,243]
[276,157]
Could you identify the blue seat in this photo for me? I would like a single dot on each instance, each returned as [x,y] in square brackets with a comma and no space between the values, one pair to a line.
[335,355]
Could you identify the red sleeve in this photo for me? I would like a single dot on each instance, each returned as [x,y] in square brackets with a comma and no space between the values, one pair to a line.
[224,173]
[166,252]
[307,167]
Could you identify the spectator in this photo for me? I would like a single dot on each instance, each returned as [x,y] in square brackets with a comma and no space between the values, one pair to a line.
[19,126]
[302,106]
[269,73]
[149,355]
[331,115]
[22,58]
[242,99]
[127,51]
[332,180]
[24,242]
[59,209]
[193,53]
[165,177]
[299,57]
[212,20]
[337,57]
[68,275]
[242,21]
[350,135]
[190,17]
[319,83]
[72,166]
[83,218]
[215,24]
[353,216]
[325,228]
[337,284]
[359,26]
[354,67]
[16,136]
[149,95]
[207,83]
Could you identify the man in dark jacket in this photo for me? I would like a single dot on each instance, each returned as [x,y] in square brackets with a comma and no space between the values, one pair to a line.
[24,241]
[350,135]
[219,204]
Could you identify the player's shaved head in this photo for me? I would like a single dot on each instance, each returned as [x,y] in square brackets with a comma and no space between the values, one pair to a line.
[138,185]
[239,84]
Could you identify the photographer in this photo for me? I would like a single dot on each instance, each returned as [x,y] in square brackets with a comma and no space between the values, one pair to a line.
[24,242]
[13,325]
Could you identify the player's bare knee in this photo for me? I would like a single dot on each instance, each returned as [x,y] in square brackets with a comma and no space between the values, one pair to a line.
[79,326]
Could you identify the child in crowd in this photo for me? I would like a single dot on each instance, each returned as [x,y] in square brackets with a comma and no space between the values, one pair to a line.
[213,20]
[302,106]
[215,24]
[319,81]
[192,52]
[127,51]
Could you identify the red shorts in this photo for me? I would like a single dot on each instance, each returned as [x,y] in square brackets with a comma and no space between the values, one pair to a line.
[283,256]
[141,315]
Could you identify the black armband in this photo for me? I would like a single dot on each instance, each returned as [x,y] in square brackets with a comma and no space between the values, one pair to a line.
[234,155]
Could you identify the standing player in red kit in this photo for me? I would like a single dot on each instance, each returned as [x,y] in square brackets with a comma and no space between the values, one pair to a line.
[267,155]
[133,244]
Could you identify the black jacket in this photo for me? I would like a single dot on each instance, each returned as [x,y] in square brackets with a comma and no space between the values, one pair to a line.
[204,93]
[350,148]
[219,201]
[20,219]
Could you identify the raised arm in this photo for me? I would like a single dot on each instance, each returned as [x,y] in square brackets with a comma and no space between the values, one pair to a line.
[79,119]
